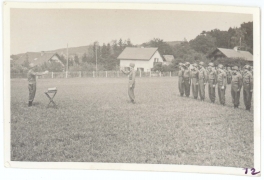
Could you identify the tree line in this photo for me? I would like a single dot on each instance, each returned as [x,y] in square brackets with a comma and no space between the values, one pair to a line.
[195,50]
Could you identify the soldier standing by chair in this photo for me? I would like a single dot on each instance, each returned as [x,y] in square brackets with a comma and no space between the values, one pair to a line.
[202,76]
[187,79]
[131,81]
[247,87]
[180,79]
[229,75]
[32,83]
[212,80]
[221,83]
[194,80]
[236,85]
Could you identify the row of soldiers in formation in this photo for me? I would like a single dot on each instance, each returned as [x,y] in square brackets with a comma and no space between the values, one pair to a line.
[197,76]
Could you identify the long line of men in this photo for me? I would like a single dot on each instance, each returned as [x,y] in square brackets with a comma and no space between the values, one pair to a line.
[196,76]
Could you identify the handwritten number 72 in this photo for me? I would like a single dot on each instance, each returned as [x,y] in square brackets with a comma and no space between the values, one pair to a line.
[252,171]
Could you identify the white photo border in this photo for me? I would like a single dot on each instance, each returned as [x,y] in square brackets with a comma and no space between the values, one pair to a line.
[255,11]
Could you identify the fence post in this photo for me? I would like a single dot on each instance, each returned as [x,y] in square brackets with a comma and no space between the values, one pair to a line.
[149,73]
[140,73]
[52,75]
[170,73]
[160,74]
[93,73]
[117,73]
[80,74]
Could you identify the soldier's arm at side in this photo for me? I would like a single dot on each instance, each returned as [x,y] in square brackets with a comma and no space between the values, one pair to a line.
[133,76]
[224,79]
[251,82]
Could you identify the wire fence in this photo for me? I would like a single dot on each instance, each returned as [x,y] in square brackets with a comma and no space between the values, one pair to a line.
[94,74]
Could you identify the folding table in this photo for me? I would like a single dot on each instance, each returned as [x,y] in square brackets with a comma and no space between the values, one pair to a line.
[51,94]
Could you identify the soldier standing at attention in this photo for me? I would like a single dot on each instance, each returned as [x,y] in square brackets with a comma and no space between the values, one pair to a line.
[212,80]
[221,81]
[32,83]
[187,79]
[247,87]
[180,80]
[202,76]
[194,80]
[131,81]
[229,75]
[236,85]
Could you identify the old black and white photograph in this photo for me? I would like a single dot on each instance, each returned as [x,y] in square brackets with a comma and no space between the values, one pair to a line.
[134,85]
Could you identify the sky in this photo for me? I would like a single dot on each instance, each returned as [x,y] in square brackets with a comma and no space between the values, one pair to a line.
[34,30]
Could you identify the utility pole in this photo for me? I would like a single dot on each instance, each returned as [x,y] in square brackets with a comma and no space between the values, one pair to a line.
[96,57]
[67,68]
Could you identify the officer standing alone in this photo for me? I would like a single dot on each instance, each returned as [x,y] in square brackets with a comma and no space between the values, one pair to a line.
[247,87]
[32,83]
[221,83]
[202,80]
[236,85]
[131,81]
[212,80]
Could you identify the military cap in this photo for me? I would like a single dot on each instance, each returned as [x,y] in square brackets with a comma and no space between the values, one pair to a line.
[247,67]
[180,64]
[201,63]
[194,65]
[187,63]
[235,68]
[211,64]
[132,65]
[220,66]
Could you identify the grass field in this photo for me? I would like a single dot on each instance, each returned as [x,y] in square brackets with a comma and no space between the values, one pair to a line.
[95,122]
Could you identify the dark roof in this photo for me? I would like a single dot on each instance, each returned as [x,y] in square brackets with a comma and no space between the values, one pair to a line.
[232,53]
[37,58]
[168,58]
[137,53]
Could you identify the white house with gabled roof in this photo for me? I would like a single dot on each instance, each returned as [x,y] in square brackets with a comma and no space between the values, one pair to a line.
[144,58]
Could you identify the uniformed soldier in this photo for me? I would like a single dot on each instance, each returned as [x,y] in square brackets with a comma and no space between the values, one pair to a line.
[236,85]
[187,79]
[221,83]
[32,83]
[194,80]
[180,80]
[247,87]
[212,80]
[131,81]
[229,75]
[202,76]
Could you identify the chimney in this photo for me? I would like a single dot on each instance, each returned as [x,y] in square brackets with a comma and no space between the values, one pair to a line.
[42,53]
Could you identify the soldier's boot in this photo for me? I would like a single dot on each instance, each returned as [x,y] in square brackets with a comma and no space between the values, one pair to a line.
[29,103]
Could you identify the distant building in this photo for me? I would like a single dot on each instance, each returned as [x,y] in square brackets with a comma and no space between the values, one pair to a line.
[144,58]
[168,59]
[231,53]
[38,58]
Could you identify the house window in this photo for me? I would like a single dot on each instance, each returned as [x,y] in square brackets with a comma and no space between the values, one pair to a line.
[156,60]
